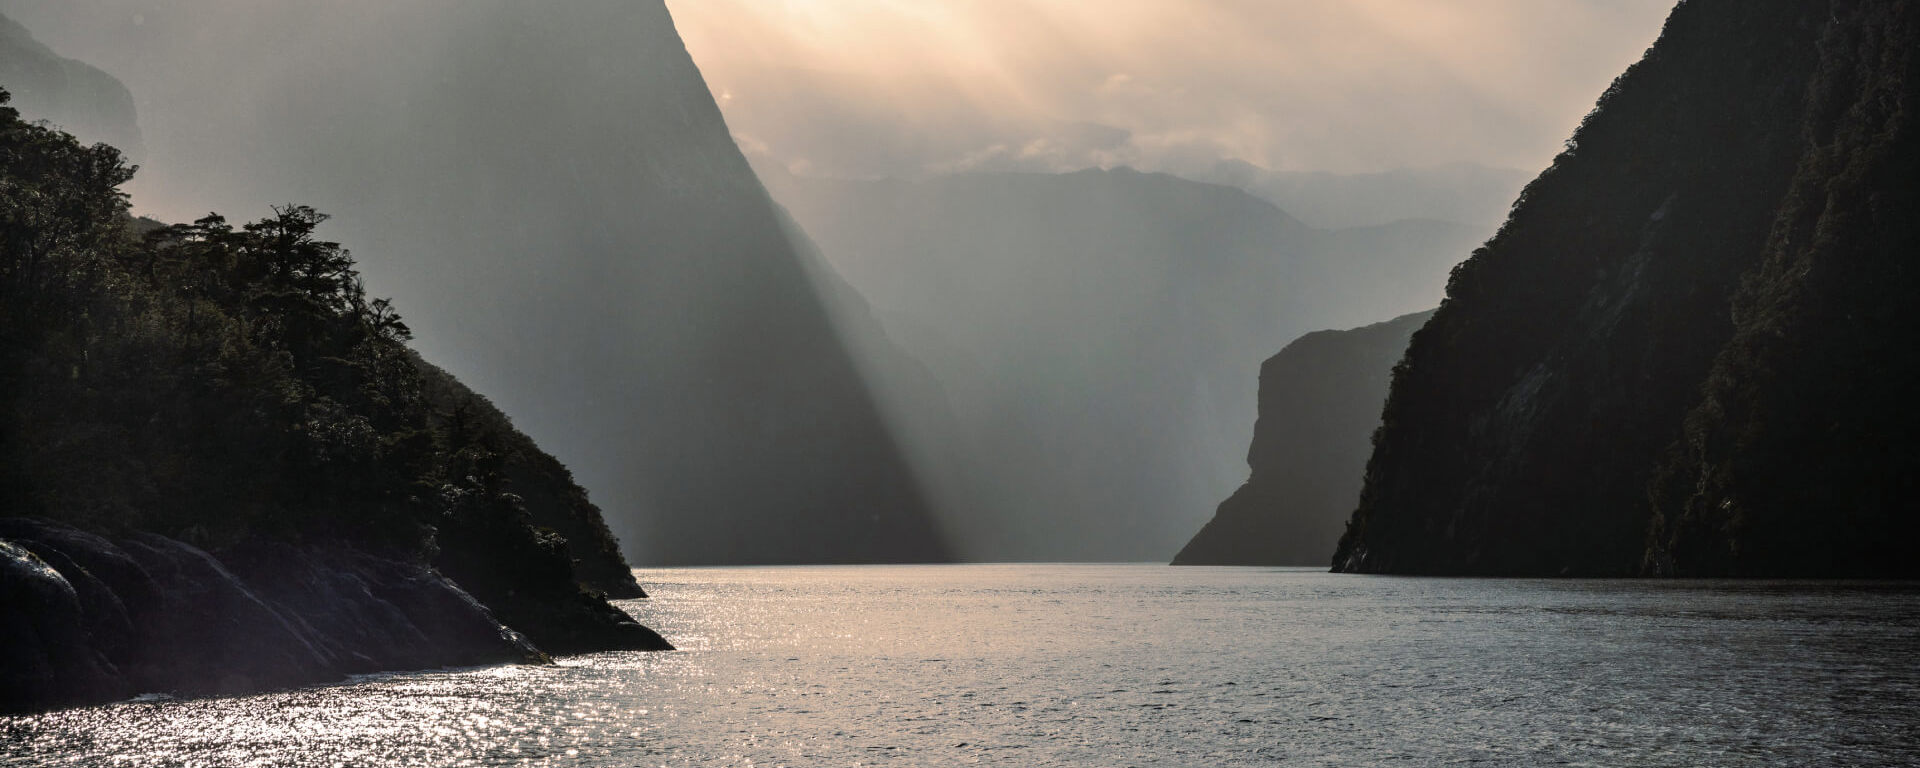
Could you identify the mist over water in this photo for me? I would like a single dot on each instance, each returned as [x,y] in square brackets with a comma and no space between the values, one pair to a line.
[1095,338]
[911,88]
[1113,665]
[918,301]
[1016,367]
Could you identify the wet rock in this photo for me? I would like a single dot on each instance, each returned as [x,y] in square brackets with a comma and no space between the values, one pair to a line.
[49,657]
[84,619]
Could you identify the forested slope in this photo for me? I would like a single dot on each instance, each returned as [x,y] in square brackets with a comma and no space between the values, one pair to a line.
[220,467]
[1688,351]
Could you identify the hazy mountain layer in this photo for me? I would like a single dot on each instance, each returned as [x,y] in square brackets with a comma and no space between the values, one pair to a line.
[1095,335]
[1466,193]
[72,95]
[1689,351]
[1320,401]
[90,104]
[552,192]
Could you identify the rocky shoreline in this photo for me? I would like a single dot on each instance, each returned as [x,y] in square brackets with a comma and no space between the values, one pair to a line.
[95,620]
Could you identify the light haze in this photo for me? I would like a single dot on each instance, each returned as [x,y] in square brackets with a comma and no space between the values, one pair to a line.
[905,87]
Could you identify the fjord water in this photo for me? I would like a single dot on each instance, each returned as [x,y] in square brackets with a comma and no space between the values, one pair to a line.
[1110,665]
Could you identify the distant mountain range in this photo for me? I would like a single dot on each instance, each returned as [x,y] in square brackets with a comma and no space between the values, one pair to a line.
[1463,192]
[1095,334]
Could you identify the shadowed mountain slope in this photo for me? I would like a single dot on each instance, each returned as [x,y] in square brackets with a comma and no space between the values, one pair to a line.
[1689,350]
[220,471]
[553,193]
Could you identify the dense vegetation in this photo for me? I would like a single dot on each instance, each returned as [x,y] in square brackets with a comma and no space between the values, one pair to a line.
[1808,413]
[1735,218]
[218,384]
[623,284]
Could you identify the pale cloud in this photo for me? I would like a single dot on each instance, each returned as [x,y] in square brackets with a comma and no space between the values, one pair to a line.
[900,87]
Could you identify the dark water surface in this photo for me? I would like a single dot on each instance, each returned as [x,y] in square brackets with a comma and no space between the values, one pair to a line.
[1113,665]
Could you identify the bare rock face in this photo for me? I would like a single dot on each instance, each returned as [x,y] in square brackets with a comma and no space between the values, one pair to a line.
[45,640]
[91,620]
[1687,352]
[1320,401]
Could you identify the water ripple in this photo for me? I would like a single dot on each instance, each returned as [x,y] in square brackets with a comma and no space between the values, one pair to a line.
[1111,665]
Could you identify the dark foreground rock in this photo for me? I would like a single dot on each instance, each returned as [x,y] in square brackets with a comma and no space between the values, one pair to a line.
[326,503]
[1320,401]
[90,620]
[528,582]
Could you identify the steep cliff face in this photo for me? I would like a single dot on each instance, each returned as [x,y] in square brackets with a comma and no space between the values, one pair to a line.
[1320,401]
[659,328]
[554,195]
[1799,460]
[1758,144]
[73,95]
[1095,335]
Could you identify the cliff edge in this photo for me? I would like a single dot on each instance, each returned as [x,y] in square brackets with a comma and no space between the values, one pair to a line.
[1320,401]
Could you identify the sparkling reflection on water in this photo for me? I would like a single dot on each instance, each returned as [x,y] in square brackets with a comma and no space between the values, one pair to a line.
[1113,665]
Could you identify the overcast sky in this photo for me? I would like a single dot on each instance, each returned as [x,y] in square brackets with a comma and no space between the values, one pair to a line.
[902,87]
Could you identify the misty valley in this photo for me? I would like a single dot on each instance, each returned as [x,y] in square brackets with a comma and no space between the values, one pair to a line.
[872,382]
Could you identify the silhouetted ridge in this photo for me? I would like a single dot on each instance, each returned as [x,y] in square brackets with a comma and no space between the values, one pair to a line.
[1320,401]
[1764,149]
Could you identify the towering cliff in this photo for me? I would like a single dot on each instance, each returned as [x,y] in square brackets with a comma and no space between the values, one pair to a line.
[1320,401]
[1688,350]
[1096,335]
[552,192]
[1799,458]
